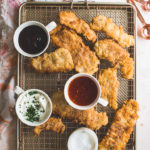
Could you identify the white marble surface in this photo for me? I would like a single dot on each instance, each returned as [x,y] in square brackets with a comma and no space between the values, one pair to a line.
[143,92]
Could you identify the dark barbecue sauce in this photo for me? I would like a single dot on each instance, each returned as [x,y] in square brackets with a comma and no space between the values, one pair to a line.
[82,91]
[33,39]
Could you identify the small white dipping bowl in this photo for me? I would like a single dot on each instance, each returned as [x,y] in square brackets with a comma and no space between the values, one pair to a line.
[79,140]
[21,94]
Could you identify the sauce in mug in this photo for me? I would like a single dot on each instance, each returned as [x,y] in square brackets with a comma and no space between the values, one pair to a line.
[33,39]
[82,91]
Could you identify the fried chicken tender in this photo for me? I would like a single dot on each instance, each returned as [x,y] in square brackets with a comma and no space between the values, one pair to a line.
[84,59]
[53,124]
[70,20]
[109,86]
[58,61]
[127,68]
[121,128]
[90,118]
[111,29]
[111,51]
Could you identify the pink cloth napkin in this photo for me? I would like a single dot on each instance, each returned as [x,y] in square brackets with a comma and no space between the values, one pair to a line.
[8,10]
[8,23]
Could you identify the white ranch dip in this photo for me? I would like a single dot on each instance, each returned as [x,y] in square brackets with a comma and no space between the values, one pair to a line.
[82,140]
[33,106]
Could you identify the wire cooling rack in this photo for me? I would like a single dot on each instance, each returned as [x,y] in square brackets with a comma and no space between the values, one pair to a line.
[122,14]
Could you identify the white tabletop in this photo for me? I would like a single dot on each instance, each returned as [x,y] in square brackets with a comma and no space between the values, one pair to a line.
[143,93]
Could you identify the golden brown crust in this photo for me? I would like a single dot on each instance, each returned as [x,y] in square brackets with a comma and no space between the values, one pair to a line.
[111,51]
[127,68]
[121,128]
[84,59]
[70,20]
[109,86]
[116,32]
[90,118]
[53,124]
[58,61]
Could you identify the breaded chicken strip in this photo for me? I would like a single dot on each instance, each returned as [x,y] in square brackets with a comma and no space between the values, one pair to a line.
[90,118]
[127,68]
[111,29]
[84,59]
[70,20]
[109,86]
[53,124]
[121,128]
[111,51]
[58,61]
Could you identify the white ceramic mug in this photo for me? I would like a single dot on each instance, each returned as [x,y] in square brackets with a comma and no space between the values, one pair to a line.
[97,100]
[47,29]
[21,93]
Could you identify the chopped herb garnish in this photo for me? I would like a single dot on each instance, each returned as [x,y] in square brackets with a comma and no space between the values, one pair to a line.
[34,97]
[32,114]
[37,106]
[32,93]
[42,111]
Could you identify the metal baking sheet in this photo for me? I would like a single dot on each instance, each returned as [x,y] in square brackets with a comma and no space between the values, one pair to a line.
[122,14]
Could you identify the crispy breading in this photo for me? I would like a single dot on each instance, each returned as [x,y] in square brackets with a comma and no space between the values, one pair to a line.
[58,61]
[127,68]
[111,29]
[70,20]
[53,124]
[109,86]
[121,128]
[84,59]
[90,118]
[111,51]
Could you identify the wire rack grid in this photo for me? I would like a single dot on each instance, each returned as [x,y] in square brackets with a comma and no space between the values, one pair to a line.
[123,15]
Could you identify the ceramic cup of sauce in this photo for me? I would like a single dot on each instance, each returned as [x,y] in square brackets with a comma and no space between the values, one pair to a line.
[82,91]
[32,38]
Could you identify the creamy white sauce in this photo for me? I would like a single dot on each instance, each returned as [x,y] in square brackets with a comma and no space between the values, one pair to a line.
[33,103]
[81,141]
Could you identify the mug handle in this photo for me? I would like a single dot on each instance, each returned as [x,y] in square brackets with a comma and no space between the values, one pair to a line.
[18,90]
[51,26]
[102,102]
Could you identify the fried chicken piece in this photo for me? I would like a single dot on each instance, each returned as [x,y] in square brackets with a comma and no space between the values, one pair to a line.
[121,128]
[127,68]
[109,86]
[58,61]
[70,20]
[111,29]
[90,118]
[53,124]
[84,59]
[111,51]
